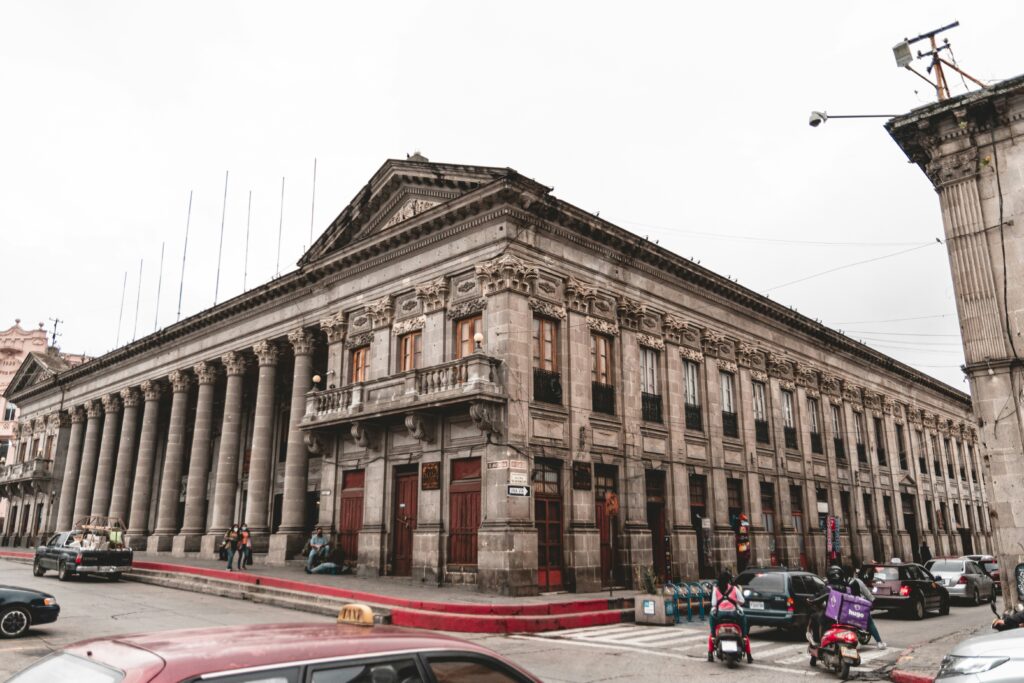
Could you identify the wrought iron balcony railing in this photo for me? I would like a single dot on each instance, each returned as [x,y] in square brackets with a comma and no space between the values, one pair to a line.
[761,431]
[693,418]
[816,446]
[602,398]
[651,404]
[730,425]
[790,434]
[547,386]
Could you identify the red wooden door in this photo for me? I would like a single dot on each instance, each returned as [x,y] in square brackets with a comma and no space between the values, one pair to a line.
[547,492]
[604,484]
[351,514]
[406,486]
[463,513]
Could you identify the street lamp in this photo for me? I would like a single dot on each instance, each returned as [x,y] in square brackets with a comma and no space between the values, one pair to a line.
[820,117]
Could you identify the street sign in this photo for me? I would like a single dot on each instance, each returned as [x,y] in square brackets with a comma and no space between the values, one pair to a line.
[517,478]
[498,465]
[705,523]
[518,490]
[519,465]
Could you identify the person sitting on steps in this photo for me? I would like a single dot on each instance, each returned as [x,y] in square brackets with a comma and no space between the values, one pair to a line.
[318,549]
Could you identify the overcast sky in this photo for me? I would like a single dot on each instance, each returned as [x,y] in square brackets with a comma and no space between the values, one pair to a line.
[684,122]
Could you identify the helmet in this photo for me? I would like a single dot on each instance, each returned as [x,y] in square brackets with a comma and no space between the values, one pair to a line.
[835,576]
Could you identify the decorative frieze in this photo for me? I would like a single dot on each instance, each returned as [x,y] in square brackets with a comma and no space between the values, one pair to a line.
[712,343]
[266,352]
[234,363]
[675,328]
[631,312]
[728,366]
[507,272]
[759,375]
[692,355]
[131,397]
[831,385]
[409,209]
[852,393]
[953,168]
[913,415]
[650,341]
[408,325]
[602,326]
[466,308]
[302,341]
[546,308]
[806,376]
[579,295]
[334,328]
[779,366]
[943,425]
[929,420]
[749,356]
[355,341]
[407,305]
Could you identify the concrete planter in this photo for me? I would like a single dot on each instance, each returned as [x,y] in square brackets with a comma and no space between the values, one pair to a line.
[657,610]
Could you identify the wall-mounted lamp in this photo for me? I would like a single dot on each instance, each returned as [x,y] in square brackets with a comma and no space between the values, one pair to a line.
[478,340]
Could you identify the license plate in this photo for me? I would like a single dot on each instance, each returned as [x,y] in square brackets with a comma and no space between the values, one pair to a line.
[730,646]
[756,605]
[848,652]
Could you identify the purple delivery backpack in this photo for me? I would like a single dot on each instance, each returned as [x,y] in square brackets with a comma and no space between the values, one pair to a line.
[851,610]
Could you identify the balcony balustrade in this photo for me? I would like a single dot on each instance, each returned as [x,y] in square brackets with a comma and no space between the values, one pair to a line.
[37,468]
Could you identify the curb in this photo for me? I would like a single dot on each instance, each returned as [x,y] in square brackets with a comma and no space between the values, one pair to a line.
[898,676]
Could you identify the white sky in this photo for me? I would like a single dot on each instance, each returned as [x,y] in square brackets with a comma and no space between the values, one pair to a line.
[687,123]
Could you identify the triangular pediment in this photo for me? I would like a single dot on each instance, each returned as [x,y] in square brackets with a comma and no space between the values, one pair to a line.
[36,368]
[908,481]
[399,191]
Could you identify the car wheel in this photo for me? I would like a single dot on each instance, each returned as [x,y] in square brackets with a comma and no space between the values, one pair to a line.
[976,597]
[14,621]
[944,607]
[917,609]
[37,569]
[62,572]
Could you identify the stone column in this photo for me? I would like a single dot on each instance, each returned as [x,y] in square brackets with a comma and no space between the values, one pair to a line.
[227,461]
[74,460]
[120,498]
[296,467]
[90,453]
[194,523]
[174,461]
[108,455]
[138,520]
[257,505]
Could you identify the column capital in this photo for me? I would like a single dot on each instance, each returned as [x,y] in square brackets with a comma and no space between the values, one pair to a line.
[94,408]
[111,404]
[266,352]
[234,362]
[334,328]
[507,272]
[77,414]
[180,381]
[152,390]
[206,372]
[302,341]
[57,420]
[433,294]
[131,397]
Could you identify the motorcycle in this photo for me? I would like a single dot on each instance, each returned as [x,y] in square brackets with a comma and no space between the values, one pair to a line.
[839,649]
[728,642]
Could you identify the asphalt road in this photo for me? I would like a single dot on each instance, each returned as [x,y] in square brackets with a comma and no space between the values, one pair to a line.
[626,652]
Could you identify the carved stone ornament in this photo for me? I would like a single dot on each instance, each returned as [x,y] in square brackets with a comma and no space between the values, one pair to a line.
[673,327]
[466,308]
[334,328]
[929,420]
[714,344]
[486,417]
[180,381]
[53,421]
[972,435]
[409,209]
[812,393]
[466,286]
[419,428]
[913,415]
[408,325]
[631,312]
[547,309]
[313,443]
[806,376]
[759,376]
[602,326]
[111,403]
[691,355]
[357,340]
[410,305]
[579,294]
[507,272]
[728,366]
[62,418]
[953,168]
[77,414]
[831,385]
[546,287]
[266,352]
[650,341]
[39,425]
[873,401]
[380,312]
[942,425]
[852,392]
[302,341]
[363,435]
[131,397]
[779,366]
[234,363]
[433,294]
[152,390]
[887,405]
[787,385]
[749,356]
[206,373]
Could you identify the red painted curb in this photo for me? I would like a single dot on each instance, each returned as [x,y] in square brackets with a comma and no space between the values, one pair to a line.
[898,676]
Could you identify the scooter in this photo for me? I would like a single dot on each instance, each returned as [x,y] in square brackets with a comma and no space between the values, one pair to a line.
[839,649]
[728,642]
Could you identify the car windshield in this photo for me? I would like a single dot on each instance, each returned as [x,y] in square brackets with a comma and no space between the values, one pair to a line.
[65,667]
[991,566]
[765,583]
[886,574]
[946,566]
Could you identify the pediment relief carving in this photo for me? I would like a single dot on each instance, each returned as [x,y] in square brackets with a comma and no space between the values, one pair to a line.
[412,207]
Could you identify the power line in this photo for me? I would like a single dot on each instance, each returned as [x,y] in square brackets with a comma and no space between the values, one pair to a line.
[892,320]
[903,334]
[770,240]
[851,265]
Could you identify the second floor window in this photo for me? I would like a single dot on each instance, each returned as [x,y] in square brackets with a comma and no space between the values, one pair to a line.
[730,423]
[649,395]
[858,426]
[901,447]
[602,379]
[760,413]
[812,418]
[547,384]
[789,419]
[465,330]
[691,378]
[880,442]
[838,438]
[360,364]
[410,351]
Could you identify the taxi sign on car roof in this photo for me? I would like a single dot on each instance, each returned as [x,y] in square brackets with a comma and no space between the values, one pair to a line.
[357,614]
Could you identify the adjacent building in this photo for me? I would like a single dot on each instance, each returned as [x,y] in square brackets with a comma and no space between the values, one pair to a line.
[469,380]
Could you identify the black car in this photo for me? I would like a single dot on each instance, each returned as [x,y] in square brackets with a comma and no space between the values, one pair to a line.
[778,597]
[907,588]
[21,608]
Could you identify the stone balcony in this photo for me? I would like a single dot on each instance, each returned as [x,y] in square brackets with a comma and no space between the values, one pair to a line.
[38,468]
[7,428]
[474,379]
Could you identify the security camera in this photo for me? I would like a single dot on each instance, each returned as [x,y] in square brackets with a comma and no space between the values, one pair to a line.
[817,118]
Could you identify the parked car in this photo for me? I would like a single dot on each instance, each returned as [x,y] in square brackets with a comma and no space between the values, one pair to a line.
[995,658]
[964,579]
[907,588]
[282,653]
[778,596]
[95,546]
[22,608]
[990,565]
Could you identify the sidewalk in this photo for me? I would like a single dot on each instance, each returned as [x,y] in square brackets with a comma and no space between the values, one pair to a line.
[920,662]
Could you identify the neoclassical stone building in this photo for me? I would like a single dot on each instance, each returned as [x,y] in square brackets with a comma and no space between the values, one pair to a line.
[470,380]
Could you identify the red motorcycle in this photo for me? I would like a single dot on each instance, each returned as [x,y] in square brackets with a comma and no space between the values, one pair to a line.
[728,642]
[839,649]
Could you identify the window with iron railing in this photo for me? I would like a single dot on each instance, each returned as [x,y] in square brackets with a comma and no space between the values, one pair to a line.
[862,454]
[812,420]
[547,381]
[693,418]
[651,405]
[840,447]
[603,398]
[790,434]
[547,386]
[761,431]
[730,425]
[602,378]
[816,446]
[922,464]
[901,447]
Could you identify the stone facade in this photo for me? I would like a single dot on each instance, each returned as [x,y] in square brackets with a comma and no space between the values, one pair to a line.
[469,380]
[969,148]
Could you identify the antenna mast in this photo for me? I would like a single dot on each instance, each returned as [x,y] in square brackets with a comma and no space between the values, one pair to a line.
[220,248]
[138,298]
[280,226]
[53,337]
[159,282]
[312,208]
[184,253]
[248,219]
[904,58]
[120,316]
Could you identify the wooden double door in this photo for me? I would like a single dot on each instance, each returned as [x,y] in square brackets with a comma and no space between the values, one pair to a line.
[403,524]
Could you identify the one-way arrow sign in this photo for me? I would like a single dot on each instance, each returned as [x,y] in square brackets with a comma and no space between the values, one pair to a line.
[518,490]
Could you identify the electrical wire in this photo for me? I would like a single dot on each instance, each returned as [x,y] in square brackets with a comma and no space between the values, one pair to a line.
[769,240]
[892,320]
[851,265]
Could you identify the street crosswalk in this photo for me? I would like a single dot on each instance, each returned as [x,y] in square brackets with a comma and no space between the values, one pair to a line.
[690,641]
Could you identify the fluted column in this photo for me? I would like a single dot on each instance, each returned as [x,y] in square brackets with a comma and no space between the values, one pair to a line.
[257,502]
[69,485]
[194,523]
[296,466]
[138,520]
[174,460]
[108,455]
[227,461]
[119,500]
[90,454]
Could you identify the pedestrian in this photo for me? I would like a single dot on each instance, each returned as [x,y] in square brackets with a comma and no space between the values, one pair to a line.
[925,552]
[231,543]
[244,547]
[317,547]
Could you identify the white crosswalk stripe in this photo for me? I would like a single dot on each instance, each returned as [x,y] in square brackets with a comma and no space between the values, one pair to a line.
[690,641]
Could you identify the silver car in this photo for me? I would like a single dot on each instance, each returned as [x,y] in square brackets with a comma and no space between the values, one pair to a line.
[964,579]
[995,658]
